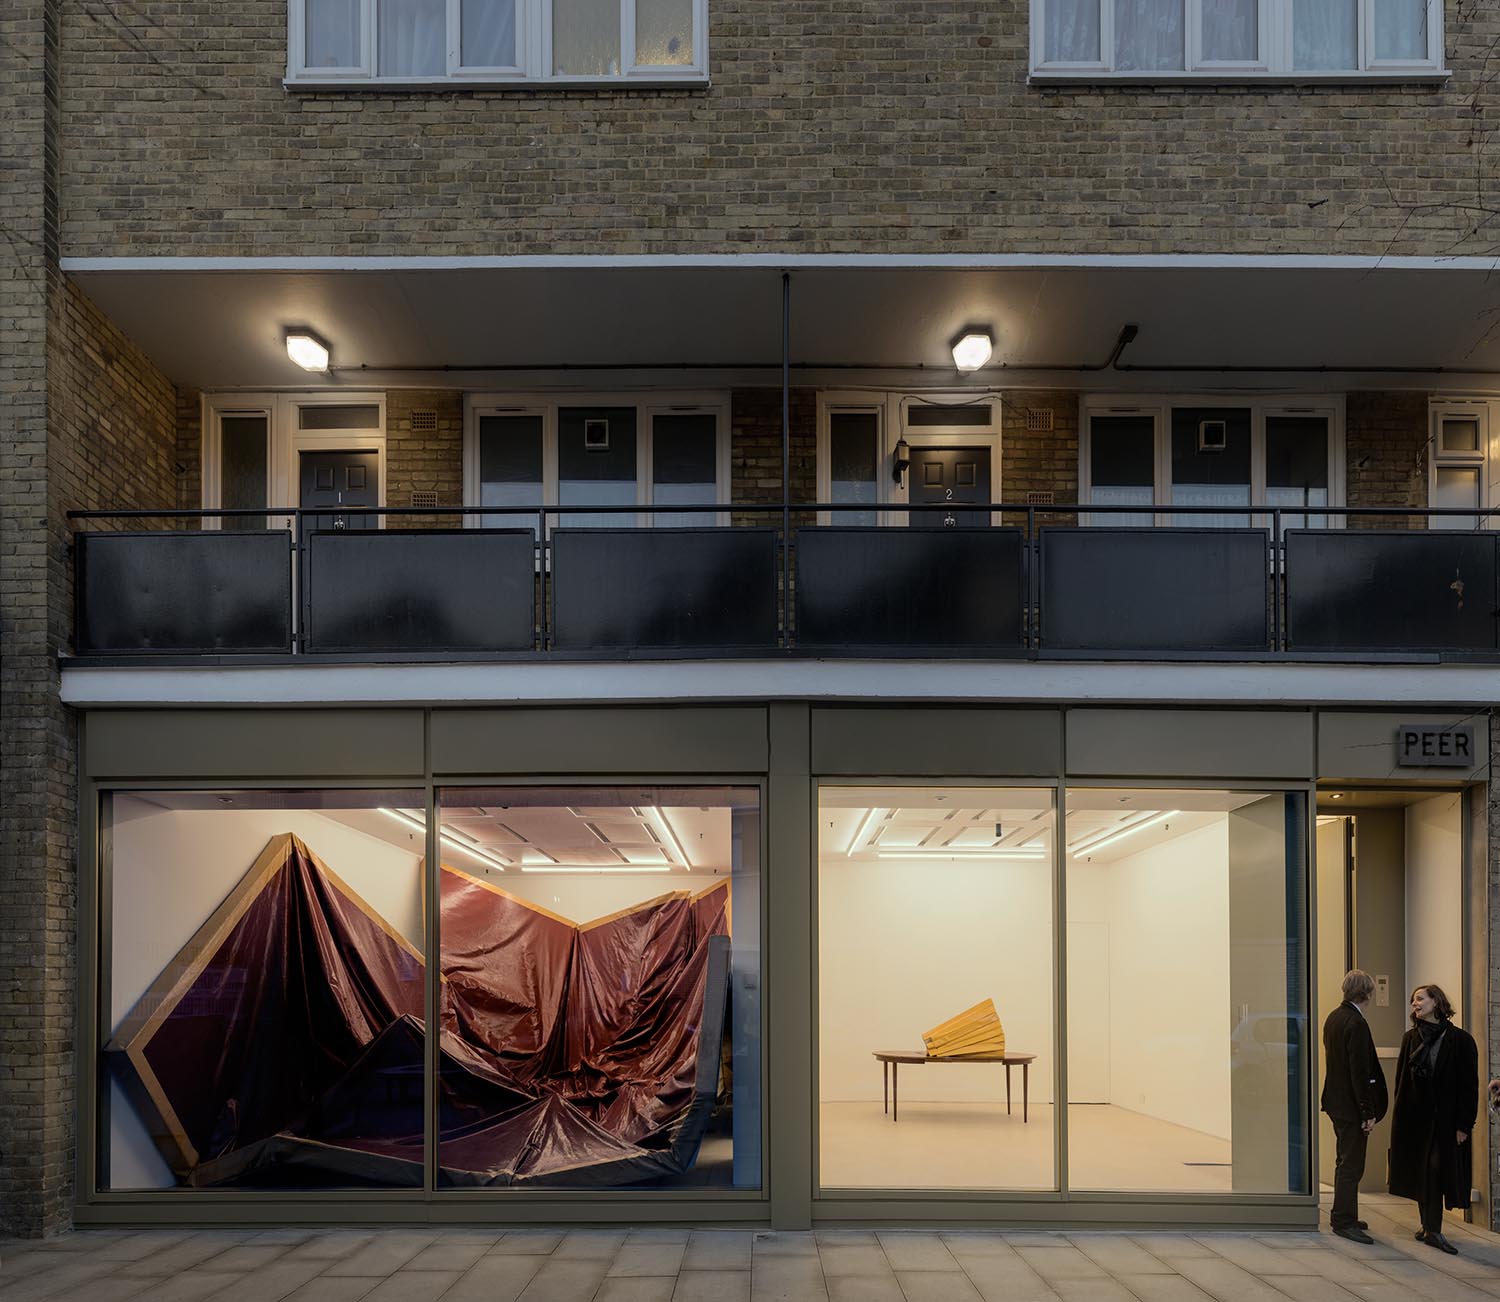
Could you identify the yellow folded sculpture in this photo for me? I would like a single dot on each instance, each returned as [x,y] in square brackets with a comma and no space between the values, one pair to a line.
[976,1032]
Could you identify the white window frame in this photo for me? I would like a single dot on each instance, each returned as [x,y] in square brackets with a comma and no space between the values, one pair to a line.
[1486,460]
[286,441]
[647,408]
[1275,35]
[891,408]
[533,53]
[1159,408]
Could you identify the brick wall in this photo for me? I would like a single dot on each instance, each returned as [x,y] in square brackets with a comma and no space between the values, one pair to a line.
[755,449]
[1041,459]
[827,127]
[1385,449]
[189,451]
[424,451]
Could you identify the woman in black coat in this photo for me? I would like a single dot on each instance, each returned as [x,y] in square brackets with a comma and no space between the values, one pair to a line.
[1437,1103]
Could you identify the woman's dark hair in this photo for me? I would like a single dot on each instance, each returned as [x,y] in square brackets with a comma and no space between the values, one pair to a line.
[1444,1007]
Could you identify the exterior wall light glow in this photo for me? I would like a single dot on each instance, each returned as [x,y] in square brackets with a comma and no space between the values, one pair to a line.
[307,350]
[972,351]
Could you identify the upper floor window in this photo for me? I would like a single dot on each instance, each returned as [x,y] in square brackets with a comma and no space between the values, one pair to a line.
[446,42]
[1163,40]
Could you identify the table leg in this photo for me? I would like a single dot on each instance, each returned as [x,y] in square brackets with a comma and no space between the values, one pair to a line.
[1025,1092]
[885,1083]
[895,1092]
[1007,1089]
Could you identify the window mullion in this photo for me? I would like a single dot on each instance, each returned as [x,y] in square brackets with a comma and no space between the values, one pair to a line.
[371,51]
[455,36]
[627,36]
[1107,33]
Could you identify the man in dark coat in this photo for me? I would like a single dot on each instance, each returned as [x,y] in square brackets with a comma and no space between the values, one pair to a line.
[1354,1097]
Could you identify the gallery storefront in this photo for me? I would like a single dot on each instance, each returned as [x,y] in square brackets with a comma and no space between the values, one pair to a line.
[686,957]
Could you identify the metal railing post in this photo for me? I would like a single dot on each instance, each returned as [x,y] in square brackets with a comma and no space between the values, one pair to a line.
[786,460]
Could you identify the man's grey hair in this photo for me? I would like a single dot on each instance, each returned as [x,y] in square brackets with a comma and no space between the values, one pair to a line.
[1358,986]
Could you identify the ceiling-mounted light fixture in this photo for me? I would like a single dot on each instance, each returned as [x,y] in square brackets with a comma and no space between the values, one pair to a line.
[446,838]
[307,350]
[972,349]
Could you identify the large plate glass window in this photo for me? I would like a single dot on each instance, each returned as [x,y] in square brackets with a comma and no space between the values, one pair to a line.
[261,1012]
[1188,1033]
[935,996]
[600,998]
[335,42]
[1187,39]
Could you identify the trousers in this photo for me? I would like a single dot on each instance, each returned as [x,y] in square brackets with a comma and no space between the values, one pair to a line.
[1348,1171]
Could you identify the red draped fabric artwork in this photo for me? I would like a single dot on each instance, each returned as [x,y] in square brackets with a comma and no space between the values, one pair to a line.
[285,1042]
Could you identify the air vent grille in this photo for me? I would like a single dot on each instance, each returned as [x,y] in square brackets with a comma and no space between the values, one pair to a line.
[423,422]
[424,497]
[1039,420]
[1040,497]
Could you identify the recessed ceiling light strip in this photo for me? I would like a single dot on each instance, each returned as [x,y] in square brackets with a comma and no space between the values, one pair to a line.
[977,856]
[858,839]
[673,839]
[1113,837]
[447,839]
[596,868]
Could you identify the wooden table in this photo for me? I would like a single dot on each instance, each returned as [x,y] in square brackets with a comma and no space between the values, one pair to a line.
[891,1060]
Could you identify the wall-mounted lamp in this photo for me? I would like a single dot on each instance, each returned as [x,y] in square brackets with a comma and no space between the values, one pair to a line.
[307,350]
[972,349]
[902,461]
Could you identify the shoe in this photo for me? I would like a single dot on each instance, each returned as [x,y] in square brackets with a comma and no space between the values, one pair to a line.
[1364,1225]
[1439,1242]
[1353,1233]
[1421,1236]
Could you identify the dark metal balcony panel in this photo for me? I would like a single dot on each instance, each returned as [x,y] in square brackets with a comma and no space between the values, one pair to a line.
[162,593]
[1390,590]
[664,589]
[909,589]
[1155,589]
[459,590]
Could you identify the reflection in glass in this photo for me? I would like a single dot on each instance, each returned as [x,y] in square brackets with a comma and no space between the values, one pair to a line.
[264,1015]
[1187,991]
[1211,466]
[487,33]
[933,902]
[1122,468]
[586,38]
[332,34]
[1297,467]
[510,467]
[1401,30]
[600,998]
[663,33]
[684,466]
[853,455]
[596,464]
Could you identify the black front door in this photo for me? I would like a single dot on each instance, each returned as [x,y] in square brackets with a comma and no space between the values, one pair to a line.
[949,475]
[339,481]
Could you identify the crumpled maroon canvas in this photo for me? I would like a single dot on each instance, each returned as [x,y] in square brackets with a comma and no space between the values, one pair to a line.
[284,1044]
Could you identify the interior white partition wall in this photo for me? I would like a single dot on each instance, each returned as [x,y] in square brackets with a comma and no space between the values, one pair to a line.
[1434,895]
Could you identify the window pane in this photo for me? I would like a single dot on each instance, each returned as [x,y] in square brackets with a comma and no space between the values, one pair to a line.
[663,32]
[510,467]
[586,38]
[1460,434]
[266,990]
[1122,467]
[684,467]
[968,415]
[1072,34]
[934,903]
[1325,34]
[1148,35]
[340,416]
[332,36]
[242,476]
[853,461]
[413,38]
[1401,29]
[1204,476]
[1455,486]
[596,464]
[1200,894]
[1231,30]
[1297,467]
[600,959]
[487,35]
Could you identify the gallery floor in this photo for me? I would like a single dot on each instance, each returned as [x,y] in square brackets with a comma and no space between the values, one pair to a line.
[977,1146]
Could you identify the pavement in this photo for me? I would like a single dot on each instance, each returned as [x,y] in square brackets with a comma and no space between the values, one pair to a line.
[659,1265]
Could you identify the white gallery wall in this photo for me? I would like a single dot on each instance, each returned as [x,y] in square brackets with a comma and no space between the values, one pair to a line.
[906,944]
[1434,896]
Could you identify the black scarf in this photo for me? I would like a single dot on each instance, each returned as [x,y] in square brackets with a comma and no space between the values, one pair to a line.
[1424,1060]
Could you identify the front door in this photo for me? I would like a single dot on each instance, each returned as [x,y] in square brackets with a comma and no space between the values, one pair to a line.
[949,475]
[339,481]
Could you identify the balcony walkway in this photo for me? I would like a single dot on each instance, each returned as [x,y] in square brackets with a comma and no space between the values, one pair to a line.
[485,1265]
